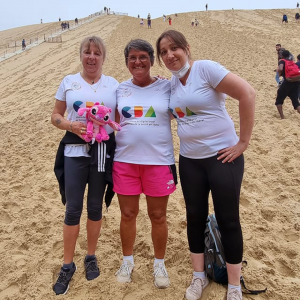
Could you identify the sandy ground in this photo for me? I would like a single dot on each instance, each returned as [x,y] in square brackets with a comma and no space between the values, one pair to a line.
[31,213]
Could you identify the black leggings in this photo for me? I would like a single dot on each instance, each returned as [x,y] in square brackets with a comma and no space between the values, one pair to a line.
[78,173]
[200,176]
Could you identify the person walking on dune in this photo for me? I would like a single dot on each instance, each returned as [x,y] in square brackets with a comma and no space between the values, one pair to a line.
[287,88]
[284,19]
[149,21]
[23,44]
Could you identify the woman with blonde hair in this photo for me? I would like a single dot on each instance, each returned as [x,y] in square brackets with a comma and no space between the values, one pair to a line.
[79,163]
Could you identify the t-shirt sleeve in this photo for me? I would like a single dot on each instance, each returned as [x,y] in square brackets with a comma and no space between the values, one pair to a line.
[116,83]
[212,72]
[61,92]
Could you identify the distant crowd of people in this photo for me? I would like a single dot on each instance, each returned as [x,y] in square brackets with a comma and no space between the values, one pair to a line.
[285,18]
[65,25]
[288,84]
[287,74]
[194,22]
[106,10]
[149,22]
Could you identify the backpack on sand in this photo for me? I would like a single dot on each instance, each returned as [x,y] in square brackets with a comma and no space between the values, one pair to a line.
[291,70]
[214,257]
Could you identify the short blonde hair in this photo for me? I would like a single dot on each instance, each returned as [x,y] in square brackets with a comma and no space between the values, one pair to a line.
[97,41]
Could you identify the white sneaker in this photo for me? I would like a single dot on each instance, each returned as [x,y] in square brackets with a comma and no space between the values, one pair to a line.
[234,294]
[125,271]
[194,291]
[161,277]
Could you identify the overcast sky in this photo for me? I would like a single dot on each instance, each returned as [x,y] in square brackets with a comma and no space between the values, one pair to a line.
[16,13]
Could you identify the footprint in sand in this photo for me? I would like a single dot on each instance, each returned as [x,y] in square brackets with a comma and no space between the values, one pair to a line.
[177,257]
[142,292]
[10,291]
[57,246]
[292,237]
[5,218]
[268,214]
[13,207]
[283,267]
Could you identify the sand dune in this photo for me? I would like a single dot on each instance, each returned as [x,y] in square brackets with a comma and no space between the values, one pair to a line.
[31,214]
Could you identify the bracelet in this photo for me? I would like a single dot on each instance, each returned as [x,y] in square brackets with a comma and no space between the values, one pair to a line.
[71,126]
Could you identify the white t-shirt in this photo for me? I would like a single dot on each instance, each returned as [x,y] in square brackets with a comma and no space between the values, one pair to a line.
[204,126]
[79,94]
[146,136]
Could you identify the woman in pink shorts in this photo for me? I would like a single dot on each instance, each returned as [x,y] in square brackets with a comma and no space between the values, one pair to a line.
[144,157]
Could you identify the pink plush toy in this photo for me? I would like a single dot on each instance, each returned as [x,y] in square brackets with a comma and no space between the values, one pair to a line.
[96,117]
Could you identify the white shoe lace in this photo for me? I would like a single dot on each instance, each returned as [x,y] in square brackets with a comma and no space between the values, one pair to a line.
[194,291]
[234,294]
[196,286]
[160,271]
[125,270]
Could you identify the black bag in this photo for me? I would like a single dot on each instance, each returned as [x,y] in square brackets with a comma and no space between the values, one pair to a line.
[214,257]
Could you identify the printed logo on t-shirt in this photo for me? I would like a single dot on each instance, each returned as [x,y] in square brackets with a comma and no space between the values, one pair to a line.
[75,86]
[126,93]
[137,112]
[180,113]
[78,104]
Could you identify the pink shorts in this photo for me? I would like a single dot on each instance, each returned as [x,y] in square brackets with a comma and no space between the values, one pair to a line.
[152,180]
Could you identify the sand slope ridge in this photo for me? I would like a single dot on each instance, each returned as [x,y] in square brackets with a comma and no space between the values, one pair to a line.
[31,214]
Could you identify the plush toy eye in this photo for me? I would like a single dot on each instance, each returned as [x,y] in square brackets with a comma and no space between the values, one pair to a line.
[106,117]
[94,111]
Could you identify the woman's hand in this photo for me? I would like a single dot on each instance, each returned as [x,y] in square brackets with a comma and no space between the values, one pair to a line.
[58,120]
[162,77]
[239,89]
[78,128]
[231,153]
